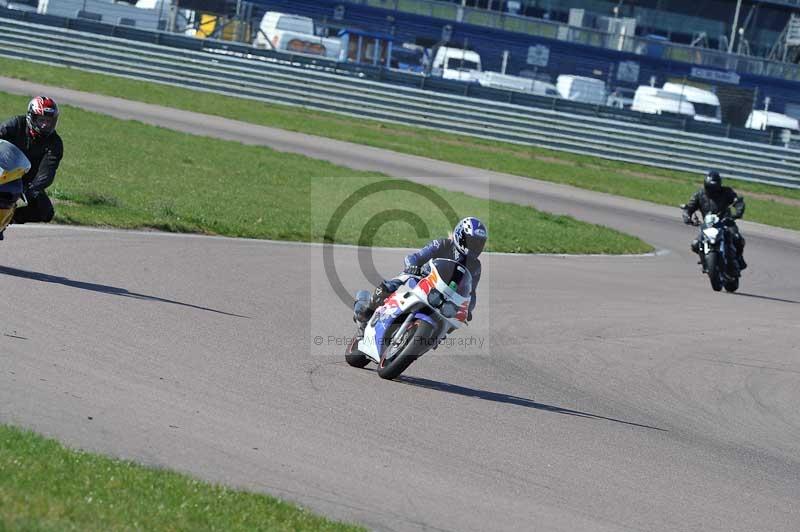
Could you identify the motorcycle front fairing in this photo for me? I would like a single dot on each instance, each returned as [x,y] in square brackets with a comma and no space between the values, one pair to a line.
[413,300]
[406,299]
[13,166]
[709,231]
[11,197]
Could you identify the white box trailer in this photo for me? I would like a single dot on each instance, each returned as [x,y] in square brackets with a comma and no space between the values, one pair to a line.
[769,120]
[705,103]
[785,126]
[497,80]
[148,16]
[655,101]
[582,89]
[507,82]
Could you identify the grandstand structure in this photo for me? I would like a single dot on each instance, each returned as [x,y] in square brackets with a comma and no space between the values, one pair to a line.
[508,42]
[681,21]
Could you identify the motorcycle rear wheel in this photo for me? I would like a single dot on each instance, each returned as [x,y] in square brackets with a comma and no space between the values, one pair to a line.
[414,342]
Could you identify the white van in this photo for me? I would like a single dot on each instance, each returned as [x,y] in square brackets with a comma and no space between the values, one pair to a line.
[767,121]
[456,63]
[582,89]
[296,34]
[706,104]
[655,101]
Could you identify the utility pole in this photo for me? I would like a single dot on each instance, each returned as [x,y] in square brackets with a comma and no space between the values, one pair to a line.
[735,23]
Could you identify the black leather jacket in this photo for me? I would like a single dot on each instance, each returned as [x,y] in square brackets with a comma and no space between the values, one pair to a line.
[44,154]
[718,204]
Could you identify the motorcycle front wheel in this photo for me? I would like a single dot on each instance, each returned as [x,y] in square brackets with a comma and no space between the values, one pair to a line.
[712,265]
[403,351]
[732,285]
[353,356]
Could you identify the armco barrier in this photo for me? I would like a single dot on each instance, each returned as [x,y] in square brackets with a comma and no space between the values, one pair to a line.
[385,95]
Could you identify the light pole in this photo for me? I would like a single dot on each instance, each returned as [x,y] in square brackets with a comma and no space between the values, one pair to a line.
[735,23]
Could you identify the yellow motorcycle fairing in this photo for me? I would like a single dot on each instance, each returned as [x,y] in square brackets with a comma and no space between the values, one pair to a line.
[5,217]
[13,166]
[12,175]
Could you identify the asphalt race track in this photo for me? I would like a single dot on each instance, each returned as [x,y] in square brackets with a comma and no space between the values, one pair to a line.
[592,393]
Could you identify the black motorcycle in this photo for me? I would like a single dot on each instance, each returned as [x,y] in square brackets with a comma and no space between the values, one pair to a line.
[718,251]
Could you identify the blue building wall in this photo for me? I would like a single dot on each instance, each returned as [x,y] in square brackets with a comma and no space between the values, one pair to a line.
[565,57]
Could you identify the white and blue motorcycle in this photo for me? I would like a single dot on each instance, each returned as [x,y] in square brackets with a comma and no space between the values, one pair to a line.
[414,319]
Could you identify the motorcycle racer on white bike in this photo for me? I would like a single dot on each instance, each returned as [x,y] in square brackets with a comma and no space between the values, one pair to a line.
[464,246]
[412,313]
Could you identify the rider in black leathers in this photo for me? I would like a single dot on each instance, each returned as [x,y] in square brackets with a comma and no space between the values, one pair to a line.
[34,133]
[715,199]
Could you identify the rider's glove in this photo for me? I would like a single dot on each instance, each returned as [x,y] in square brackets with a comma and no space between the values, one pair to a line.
[413,270]
[29,196]
[469,315]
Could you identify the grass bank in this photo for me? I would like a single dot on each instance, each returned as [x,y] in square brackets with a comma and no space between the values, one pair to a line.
[766,204]
[45,486]
[127,174]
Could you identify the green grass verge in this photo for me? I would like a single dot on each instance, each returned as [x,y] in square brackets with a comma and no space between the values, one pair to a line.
[47,487]
[766,204]
[131,175]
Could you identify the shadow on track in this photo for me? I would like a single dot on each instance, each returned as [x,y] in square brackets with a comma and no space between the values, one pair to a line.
[509,399]
[768,298]
[101,288]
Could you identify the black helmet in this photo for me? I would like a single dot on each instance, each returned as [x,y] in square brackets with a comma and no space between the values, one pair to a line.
[712,182]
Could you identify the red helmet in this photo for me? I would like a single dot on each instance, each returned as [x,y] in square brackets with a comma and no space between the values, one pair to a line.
[42,116]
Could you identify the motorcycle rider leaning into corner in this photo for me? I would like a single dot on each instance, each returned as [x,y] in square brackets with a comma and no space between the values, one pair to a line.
[464,246]
[34,133]
[713,198]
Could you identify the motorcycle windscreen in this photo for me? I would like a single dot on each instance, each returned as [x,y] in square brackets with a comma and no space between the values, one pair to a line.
[13,163]
[454,275]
